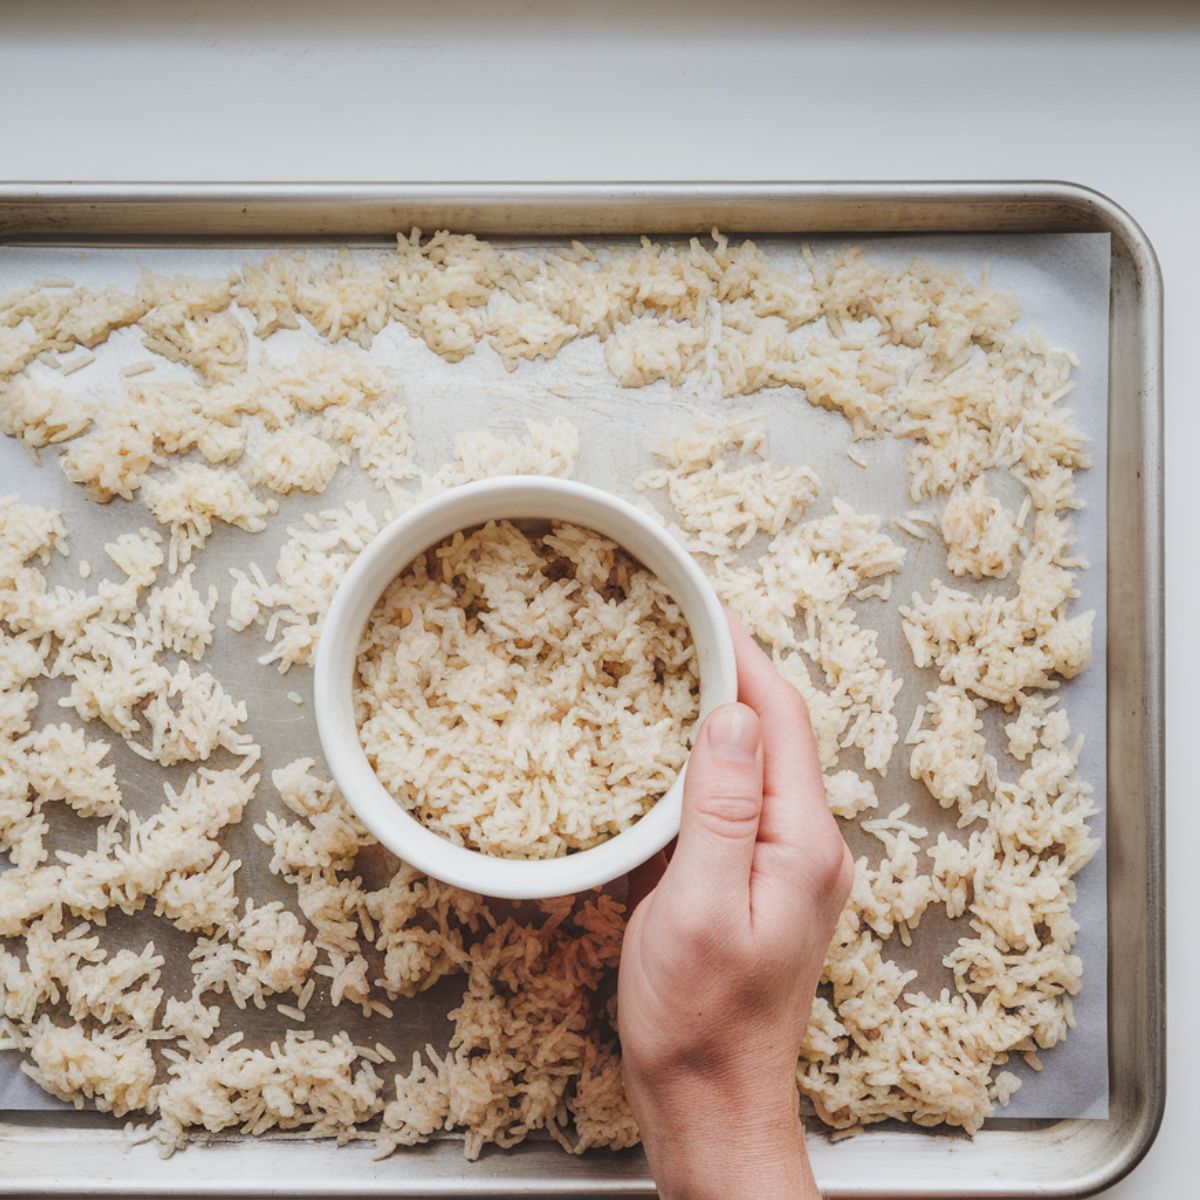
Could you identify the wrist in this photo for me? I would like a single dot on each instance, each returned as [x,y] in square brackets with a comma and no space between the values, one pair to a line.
[727,1163]
[707,1140]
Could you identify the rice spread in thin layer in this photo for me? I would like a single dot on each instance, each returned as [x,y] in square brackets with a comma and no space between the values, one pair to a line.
[217,419]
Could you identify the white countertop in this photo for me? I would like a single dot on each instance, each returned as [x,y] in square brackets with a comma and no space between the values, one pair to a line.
[646,89]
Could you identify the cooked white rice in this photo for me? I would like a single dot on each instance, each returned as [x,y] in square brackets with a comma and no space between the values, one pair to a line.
[526,694]
[915,353]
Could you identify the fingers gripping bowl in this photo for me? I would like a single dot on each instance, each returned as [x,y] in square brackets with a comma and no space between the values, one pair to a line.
[515,499]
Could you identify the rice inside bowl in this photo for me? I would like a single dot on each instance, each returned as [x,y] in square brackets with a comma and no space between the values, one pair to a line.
[526,692]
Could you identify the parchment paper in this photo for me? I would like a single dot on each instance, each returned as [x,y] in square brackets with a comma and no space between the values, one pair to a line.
[1062,283]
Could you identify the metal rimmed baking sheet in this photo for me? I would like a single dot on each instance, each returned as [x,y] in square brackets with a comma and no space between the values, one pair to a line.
[922,1164]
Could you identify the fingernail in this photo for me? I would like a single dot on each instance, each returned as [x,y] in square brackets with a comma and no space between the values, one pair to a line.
[733,733]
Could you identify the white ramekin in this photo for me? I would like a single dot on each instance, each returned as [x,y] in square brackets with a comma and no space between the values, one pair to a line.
[426,524]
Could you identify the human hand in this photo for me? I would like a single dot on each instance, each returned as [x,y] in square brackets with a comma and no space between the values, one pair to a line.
[723,952]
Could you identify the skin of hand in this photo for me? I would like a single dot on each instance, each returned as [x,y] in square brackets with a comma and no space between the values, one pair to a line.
[723,951]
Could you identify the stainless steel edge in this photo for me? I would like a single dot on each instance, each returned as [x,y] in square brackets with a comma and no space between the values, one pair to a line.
[1066,1158]
[140,212]
[1137,731]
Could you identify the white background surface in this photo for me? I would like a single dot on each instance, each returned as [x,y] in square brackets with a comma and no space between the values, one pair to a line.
[646,89]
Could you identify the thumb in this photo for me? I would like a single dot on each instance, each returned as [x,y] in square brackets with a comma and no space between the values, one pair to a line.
[722,800]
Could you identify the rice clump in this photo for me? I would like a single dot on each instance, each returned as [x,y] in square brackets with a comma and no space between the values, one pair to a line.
[526,694]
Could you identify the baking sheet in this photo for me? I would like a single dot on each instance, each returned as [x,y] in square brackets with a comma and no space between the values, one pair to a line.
[1062,281]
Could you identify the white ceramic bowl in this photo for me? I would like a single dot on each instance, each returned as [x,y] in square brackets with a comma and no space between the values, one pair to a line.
[512,498]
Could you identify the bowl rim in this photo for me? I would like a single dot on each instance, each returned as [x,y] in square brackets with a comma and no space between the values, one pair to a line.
[509,497]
